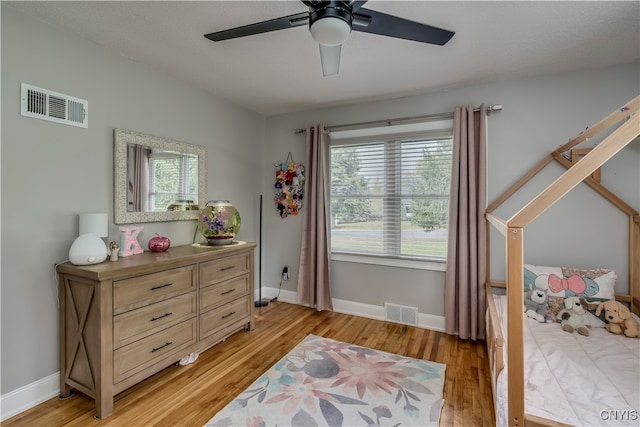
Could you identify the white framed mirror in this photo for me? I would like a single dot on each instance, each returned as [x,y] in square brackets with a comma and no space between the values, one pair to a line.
[157,179]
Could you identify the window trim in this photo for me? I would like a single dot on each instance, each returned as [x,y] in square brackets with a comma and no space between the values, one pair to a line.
[426,263]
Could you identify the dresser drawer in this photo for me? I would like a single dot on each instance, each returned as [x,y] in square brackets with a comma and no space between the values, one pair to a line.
[133,325]
[223,292]
[141,354]
[141,290]
[217,318]
[222,269]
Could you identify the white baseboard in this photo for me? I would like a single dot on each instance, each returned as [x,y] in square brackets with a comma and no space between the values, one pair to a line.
[370,311]
[37,392]
[284,295]
[29,396]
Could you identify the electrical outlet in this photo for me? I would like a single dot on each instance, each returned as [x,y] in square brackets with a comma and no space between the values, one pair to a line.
[285,273]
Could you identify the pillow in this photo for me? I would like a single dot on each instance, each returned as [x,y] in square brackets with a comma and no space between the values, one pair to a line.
[568,282]
[561,282]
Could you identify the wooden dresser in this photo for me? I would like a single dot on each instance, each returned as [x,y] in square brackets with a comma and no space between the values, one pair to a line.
[123,321]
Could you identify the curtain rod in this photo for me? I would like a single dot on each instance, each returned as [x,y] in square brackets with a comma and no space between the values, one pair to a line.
[391,122]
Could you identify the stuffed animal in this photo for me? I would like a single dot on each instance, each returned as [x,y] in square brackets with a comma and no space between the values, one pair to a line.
[574,316]
[619,318]
[535,304]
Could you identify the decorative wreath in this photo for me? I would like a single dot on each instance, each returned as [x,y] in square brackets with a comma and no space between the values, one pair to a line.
[289,187]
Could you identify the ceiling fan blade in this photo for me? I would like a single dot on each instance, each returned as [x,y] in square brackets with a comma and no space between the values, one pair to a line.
[356,4]
[393,26]
[261,27]
[330,58]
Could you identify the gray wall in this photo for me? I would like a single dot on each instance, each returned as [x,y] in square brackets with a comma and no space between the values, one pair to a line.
[52,172]
[539,114]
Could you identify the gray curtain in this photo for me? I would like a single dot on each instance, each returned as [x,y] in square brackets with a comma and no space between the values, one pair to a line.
[314,287]
[466,258]
[139,182]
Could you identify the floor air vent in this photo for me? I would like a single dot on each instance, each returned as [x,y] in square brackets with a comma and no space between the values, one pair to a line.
[401,314]
[53,106]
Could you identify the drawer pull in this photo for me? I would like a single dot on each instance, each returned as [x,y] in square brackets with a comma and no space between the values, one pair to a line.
[162,346]
[228,292]
[230,314]
[155,288]
[153,319]
[229,267]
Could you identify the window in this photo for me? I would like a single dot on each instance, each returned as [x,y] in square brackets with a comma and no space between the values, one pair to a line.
[173,179]
[390,196]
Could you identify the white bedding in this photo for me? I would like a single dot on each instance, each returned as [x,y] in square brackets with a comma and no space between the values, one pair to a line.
[578,380]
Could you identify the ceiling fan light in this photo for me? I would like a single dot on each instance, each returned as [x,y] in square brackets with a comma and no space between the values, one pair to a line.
[330,31]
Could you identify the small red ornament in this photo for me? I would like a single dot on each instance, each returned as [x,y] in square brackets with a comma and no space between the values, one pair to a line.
[159,243]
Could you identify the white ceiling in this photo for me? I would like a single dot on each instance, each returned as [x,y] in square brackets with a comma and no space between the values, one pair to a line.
[280,72]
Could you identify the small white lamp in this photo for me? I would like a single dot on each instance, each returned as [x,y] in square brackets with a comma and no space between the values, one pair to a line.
[89,248]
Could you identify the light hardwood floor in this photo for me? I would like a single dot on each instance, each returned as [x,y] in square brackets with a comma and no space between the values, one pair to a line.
[190,395]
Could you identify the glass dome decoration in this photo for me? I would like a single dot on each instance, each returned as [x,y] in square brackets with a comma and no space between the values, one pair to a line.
[219,222]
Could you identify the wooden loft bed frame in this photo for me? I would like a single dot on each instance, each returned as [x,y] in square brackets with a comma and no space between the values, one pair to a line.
[627,121]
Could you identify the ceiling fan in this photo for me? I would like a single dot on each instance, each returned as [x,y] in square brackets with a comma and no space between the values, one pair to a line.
[331,22]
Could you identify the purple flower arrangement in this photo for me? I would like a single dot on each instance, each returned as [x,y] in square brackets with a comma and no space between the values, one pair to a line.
[219,223]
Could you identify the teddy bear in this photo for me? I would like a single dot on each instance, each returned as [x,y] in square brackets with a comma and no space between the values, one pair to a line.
[619,318]
[574,316]
[535,304]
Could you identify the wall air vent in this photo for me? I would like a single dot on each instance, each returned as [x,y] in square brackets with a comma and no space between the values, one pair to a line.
[401,314]
[53,106]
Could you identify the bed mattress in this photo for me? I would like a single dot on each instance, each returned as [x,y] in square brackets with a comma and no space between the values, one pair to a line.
[578,380]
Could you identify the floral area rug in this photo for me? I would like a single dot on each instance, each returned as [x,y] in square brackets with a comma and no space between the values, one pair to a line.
[322,382]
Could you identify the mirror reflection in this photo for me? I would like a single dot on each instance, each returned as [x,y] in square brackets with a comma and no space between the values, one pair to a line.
[161,180]
[157,179]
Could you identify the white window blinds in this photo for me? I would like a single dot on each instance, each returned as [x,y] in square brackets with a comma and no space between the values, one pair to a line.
[390,195]
[173,179]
